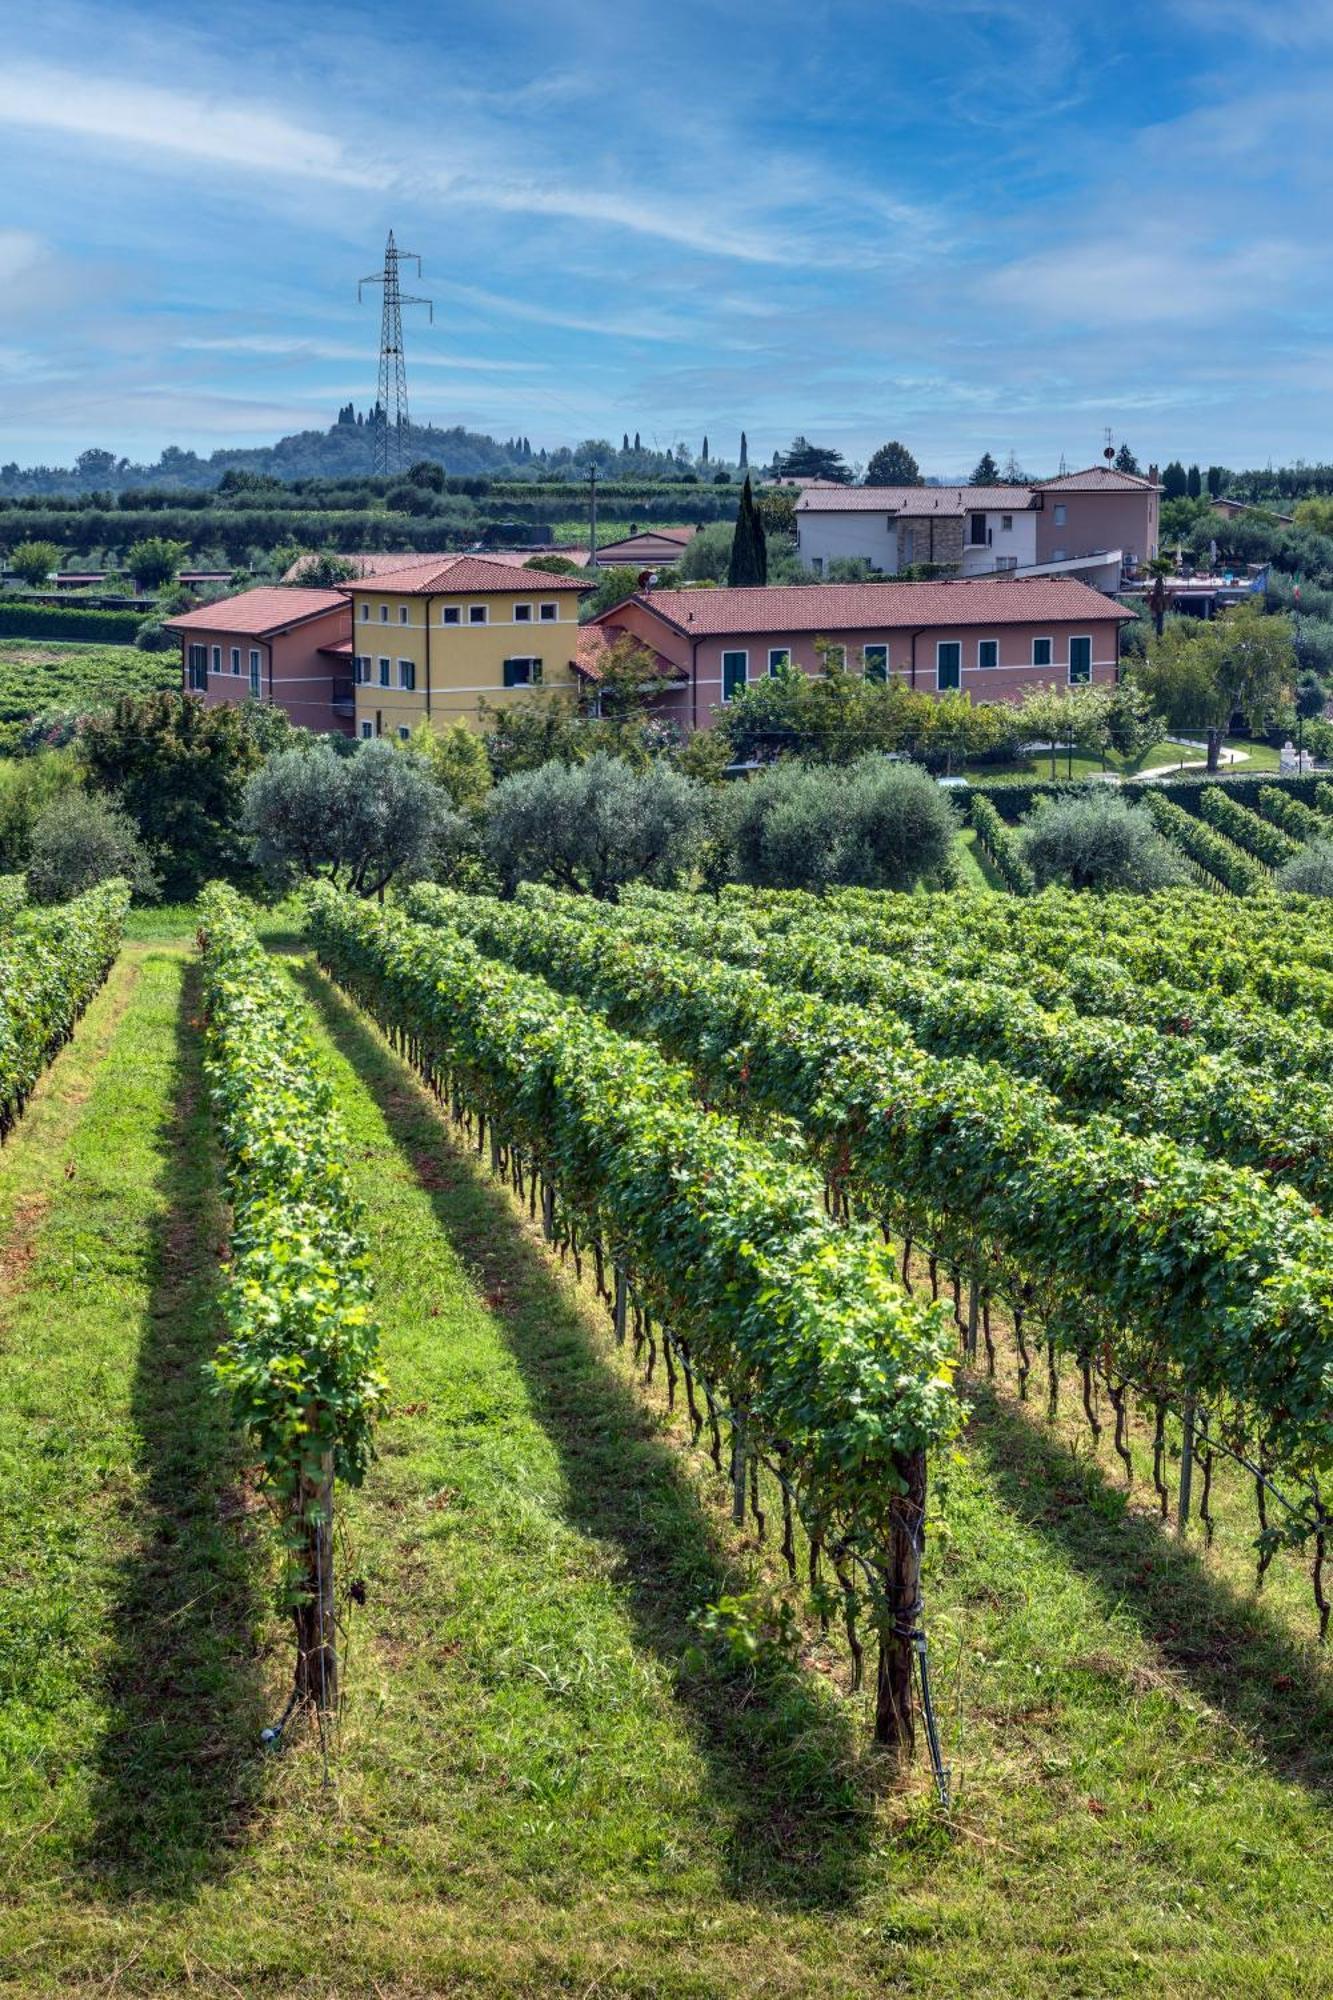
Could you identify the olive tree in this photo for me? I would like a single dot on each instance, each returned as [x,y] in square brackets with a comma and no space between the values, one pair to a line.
[34,562]
[356,821]
[877,822]
[79,840]
[1309,873]
[1098,841]
[594,826]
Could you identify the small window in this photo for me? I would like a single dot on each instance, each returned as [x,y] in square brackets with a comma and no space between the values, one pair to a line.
[1006,524]
[817,565]
[548,613]
[477,614]
[386,667]
[778,658]
[404,733]
[217,659]
[236,659]
[197,662]
[367,729]
[450,615]
[875,662]
[384,614]
[735,673]
[407,675]
[1080,661]
[522,673]
[976,530]
[361,669]
[988,652]
[522,614]
[256,664]
[365,613]
[404,614]
[948,664]
[1059,514]
[1041,652]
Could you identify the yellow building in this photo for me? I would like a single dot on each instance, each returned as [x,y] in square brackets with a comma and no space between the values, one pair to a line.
[433,640]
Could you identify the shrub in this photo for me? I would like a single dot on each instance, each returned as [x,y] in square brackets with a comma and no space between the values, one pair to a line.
[594,826]
[1309,873]
[21,619]
[152,636]
[34,562]
[1098,841]
[79,840]
[877,823]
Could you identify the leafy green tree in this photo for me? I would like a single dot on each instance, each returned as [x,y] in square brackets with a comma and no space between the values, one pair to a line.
[706,557]
[1194,482]
[613,587]
[1198,673]
[457,760]
[553,565]
[355,821]
[984,473]
[179,769]
[1175,481]
[748,563]
[34,562]
[28,785]
[1125,461]
[894,465]
[322,569]
[803,460]
[152,636]
[878,823]
[80,839]
[593,827]
[1218,479]
[1098,841]
[155,561]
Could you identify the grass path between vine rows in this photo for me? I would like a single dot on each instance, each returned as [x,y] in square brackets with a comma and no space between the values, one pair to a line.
[536,1791]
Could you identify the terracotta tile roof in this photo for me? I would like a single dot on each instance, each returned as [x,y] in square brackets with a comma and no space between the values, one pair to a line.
[877,607]
[595,642]
[342,649]
[915,500]
[370,562]
[474,574]
[678,537]
[1096,479]
[256,613]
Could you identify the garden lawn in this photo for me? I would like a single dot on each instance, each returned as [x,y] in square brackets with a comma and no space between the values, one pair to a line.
[538,1788]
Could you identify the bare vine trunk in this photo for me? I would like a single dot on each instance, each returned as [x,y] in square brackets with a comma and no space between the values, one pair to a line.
[894,1708]
[316,1633]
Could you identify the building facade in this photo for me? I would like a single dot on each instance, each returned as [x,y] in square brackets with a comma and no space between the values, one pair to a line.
[983,530]
[431,642]
[988,638]
[288,646]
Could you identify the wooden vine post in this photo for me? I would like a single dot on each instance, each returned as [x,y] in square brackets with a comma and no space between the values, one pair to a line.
[901,1618]
[313,1611]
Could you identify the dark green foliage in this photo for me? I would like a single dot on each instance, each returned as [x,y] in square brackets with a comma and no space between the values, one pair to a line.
[803,460]
[179,769]
[34,561]
[154,561]
[1001,844]
[1175,481]
[748,564]
[1098,841]
[21,619]
[984,473]
[894,465]
[875,822]
[81,839]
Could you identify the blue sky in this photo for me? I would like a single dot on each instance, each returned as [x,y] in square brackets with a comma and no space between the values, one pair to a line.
[965,223]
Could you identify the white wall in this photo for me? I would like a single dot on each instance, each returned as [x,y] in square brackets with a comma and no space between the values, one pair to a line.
[825,537]
[1018,541]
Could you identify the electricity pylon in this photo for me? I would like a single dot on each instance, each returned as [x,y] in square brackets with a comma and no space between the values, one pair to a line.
[391,421]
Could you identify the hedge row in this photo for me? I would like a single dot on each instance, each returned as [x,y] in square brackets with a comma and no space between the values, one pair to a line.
[1014,798]
[1258,836]
[1000,846]
[51,964]
[21,620]
[1209,850]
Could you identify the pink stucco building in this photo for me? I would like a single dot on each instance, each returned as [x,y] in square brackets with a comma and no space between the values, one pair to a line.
[988,637]
[280,644]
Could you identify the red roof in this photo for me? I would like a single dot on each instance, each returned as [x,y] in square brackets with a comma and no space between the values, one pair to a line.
[342,650]
[375,562]
[256,613]
[1097,479]
[877,607]
[430,575]
[595,642]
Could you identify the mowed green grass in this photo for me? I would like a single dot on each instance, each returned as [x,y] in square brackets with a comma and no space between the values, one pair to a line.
[536,1788]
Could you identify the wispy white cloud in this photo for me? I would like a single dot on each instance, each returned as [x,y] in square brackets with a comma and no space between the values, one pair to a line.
[298,347]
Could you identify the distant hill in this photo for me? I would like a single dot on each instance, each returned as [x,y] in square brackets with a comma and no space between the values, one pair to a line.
[345,450]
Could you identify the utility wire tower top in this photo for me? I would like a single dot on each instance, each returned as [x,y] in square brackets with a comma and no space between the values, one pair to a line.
[391,421]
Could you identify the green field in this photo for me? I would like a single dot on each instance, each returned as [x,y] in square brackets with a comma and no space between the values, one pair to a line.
[538,1788]
[45,676]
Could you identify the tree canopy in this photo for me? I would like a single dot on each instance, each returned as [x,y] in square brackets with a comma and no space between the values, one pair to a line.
[1200,672]
[893,465]
[803,460]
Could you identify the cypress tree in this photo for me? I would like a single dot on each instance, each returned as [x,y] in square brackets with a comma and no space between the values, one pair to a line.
[703,455]
[749,551]
[637,445]
[624,442]
[745,453]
